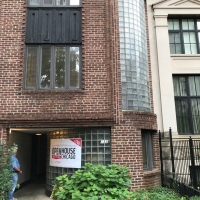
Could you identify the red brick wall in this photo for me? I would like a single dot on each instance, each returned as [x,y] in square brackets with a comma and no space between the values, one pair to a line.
[93,98]
[99,101]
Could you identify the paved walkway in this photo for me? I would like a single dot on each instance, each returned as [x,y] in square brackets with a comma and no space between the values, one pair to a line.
[33,191]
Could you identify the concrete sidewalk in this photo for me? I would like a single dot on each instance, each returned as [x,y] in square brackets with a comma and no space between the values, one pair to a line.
[33,191]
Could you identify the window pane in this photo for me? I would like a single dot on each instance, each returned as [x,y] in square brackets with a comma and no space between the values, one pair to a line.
[199,39]
[177,38]
[74,2]
[198,24]
[184,24]
[176,24]
[188,24]
[186,37]
[197,85]
[182,115]
[170,24]
[144,151]
[61,2]
[171,37]
[173,24]
[147,150]
[194,85]
[174,40]
[192,38]
[178,48]
[60,67]
[179,86]
[74,67]
[187,49]
[48,2]
[195,107]
[191,24]
[34,2]
[172,49]
[31,67]
[190,43]
[193,49]
[46,66]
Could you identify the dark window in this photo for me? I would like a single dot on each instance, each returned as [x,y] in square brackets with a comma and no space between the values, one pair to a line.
[53,44]
[53,67]
[59,3]
[187,103]
[184,36]
[147,150]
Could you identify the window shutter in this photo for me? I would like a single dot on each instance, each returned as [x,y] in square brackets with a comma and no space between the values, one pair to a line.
[53,26]
[32,26]
[46,26]
[75,26]
[61,35]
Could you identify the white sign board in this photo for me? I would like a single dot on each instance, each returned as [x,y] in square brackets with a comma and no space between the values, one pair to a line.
[65,152]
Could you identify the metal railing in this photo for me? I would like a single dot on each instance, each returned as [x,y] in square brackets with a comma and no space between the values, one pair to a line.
[180,163]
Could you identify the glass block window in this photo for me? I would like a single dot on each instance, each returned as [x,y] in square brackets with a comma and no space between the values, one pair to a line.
[96,149]
[187,103]
[184,36]
[133,55]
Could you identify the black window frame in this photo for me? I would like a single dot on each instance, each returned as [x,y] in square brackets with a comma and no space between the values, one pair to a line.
[147,150]
[53,64]
[181,31]
[188,99]
[54,4]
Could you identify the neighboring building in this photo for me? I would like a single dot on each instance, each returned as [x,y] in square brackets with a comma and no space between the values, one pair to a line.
[174,33]
[72,68]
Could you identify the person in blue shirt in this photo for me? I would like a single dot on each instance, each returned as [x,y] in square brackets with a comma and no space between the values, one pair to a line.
[16,170]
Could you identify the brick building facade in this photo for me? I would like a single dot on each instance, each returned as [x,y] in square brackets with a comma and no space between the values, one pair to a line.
[95,106]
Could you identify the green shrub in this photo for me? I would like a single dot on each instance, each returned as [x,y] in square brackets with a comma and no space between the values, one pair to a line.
[108,183]
[93,181]
[195,198]
[5,171]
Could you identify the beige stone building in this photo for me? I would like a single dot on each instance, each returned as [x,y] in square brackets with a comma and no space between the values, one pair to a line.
[174,34]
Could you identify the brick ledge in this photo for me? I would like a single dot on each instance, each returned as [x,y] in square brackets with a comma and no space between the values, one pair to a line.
[154,172]
[51,91]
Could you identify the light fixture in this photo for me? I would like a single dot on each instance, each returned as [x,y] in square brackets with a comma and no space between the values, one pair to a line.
[38,134]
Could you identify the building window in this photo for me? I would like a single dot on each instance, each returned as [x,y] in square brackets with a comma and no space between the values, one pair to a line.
[147,150]
[96,149]
[59,3]
[187,103]
[52,67]
[53,45]
[184,36]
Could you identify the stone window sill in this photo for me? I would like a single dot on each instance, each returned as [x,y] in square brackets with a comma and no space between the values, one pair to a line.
[154,172]
[185,56]
[51,91]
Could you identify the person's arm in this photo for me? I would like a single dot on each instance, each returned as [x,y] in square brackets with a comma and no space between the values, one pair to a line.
[17,169]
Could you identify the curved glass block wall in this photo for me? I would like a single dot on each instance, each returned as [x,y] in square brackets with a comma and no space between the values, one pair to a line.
[133,55]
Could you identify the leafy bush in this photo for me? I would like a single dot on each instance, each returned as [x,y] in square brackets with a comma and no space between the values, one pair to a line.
[93,181]
[195,198]
[5,171]
[108,183]
[159,193]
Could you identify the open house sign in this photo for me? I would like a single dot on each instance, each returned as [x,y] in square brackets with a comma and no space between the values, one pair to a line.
[66,152]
